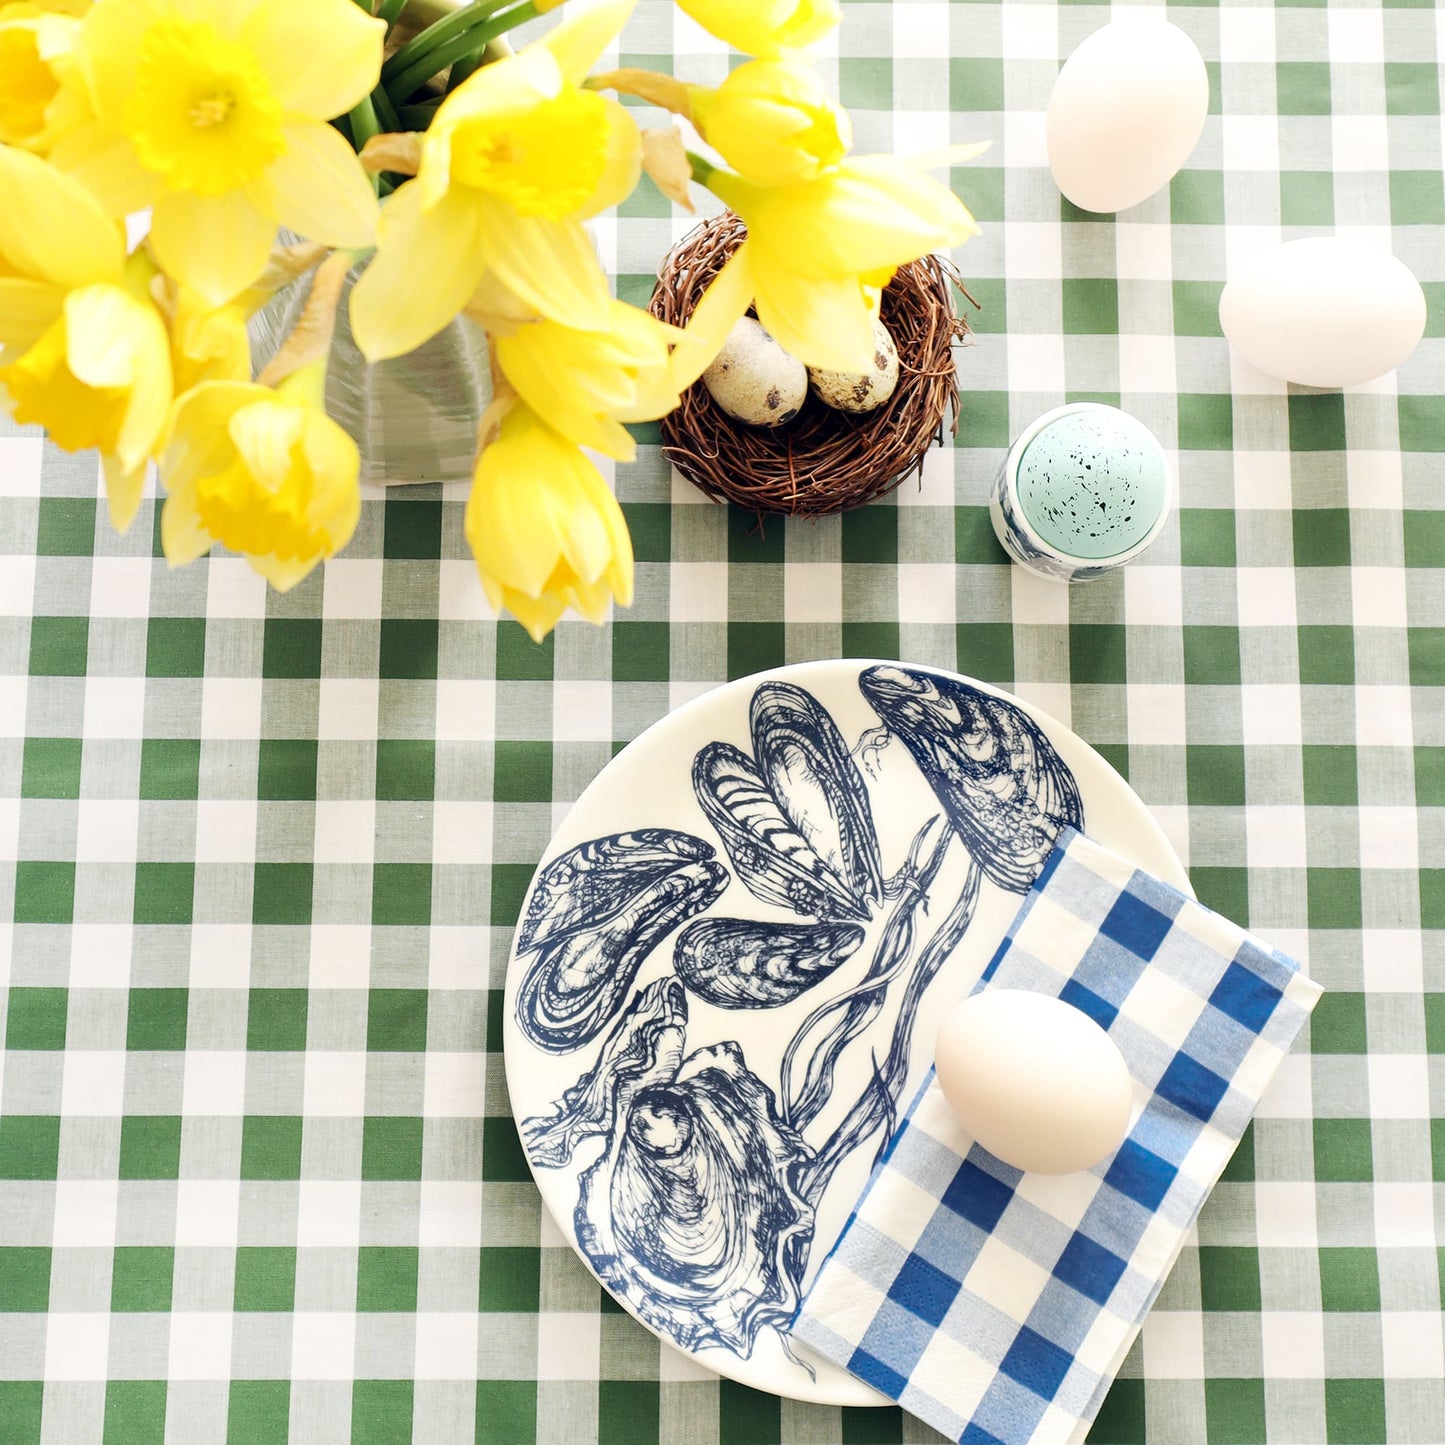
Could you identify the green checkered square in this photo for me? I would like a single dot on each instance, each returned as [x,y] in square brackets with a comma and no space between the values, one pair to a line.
[265,1279]
[141,1278]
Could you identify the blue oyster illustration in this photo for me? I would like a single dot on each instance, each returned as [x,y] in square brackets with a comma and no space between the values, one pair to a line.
[604,907]
[691,1215]
[737,963]
[794,818]
[1002,785]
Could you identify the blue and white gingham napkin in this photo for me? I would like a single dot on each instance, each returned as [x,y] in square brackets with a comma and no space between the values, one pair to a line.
[998,1305]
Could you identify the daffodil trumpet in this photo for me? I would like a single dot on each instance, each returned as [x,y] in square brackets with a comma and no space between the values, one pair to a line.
[264,472]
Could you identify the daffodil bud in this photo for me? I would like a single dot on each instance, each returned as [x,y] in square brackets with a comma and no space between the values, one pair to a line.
[773,122]
[545,529]
[584,384]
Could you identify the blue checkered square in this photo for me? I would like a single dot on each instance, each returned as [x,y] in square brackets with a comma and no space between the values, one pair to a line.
[924,1289]
[1245,997]
[1192,1087]
[1036,1363]
[1087,1001]
[977,1196]
[1090,1268]
[1137,925]
[1140,1175]
[871,1370]
[1019,1337]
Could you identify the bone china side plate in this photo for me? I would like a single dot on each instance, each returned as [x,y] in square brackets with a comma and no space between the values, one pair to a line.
[730,969]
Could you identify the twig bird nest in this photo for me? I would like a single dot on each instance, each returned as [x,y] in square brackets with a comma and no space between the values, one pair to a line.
[823,461]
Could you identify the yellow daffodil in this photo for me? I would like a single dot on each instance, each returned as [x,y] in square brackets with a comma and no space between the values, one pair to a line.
[85,351]
[583,384]
[41,94]
[265,473]
[208,343]
[53,237]
[215,115]
[100,376]
[516,158]
[545,529]
[817,255]
[772,121]
[764,27]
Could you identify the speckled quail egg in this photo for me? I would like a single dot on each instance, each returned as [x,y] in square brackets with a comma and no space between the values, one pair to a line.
[754,380]
[868,391]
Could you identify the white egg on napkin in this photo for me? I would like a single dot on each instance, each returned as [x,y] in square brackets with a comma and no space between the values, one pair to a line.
[1036,1081]
[1126,111]
[1323,311]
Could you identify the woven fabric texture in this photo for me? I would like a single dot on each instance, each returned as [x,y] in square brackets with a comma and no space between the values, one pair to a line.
[263,854]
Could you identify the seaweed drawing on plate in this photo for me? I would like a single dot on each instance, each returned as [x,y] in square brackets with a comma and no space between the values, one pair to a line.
[698,1212]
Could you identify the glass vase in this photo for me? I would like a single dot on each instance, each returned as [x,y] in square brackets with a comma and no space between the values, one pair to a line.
[413,418]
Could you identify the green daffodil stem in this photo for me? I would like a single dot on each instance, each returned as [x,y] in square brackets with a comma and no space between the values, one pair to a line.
[462,68]
[702,171]
[469,43]
[437,34]
[385,112]
[389,10]
[364,124]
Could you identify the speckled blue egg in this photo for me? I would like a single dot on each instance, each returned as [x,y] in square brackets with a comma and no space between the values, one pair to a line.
[1093,483]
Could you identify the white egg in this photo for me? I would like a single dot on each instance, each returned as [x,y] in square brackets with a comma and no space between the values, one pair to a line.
[1035,1081]
[754,380]
[1323,311]
[1126,110]
[845,391]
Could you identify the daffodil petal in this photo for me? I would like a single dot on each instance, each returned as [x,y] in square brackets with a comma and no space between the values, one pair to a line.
[547,264]
[51,228]
[105,164]
[725,301]
[333,456]
[26,309]
[216,245]
[198,442]
[539,615]
[108,51]
[183,539]
[114,340]
[824,323]
[561,396]
[321,57]
[282,574]
[946,156]
[584,34]
[124,488]
[321,191]
[504,87]
[264,434]
[619,568]
[426,270]
[623,163]
[868,213]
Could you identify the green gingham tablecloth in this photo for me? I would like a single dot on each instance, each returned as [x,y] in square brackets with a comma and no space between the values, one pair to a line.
[258,1175]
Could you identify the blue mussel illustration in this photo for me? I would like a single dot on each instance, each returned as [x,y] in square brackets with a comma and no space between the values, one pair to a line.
[698,1212]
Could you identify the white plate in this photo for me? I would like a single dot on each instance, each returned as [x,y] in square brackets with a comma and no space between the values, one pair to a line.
[663,968]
